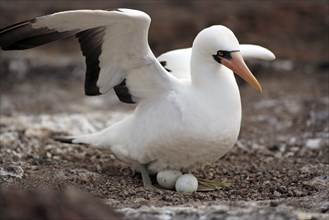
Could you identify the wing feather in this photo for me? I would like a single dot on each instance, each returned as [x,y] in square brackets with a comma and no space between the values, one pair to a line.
[91,41]
[114,43]
[22,36]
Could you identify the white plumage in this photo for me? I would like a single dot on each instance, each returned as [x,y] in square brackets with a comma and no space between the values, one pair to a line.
[185,118]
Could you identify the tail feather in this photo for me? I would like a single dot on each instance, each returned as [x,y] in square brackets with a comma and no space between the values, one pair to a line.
[67,140]
[86,139]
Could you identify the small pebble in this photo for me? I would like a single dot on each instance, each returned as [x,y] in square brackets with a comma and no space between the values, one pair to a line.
[313,143]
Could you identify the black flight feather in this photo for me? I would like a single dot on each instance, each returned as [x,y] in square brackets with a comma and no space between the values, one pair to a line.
[122,92]
[91,41]
[23,36]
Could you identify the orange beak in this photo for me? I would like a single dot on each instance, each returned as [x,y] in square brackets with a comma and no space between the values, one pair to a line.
[237,65]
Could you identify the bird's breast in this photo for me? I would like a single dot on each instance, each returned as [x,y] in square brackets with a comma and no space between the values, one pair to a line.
[202,130]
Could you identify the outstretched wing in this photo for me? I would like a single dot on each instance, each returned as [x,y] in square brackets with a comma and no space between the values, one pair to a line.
[177,62]
[114,44]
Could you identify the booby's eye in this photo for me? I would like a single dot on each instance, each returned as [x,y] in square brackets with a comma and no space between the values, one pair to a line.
[220,53]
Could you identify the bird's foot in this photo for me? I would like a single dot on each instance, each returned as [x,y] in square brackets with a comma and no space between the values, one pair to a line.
[147,183]
[211,185]
[152,187]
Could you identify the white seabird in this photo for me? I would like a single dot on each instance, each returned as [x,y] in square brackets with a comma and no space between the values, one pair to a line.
[178,124]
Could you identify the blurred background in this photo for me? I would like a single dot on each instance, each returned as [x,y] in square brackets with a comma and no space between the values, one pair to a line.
[292,29]
[295,31]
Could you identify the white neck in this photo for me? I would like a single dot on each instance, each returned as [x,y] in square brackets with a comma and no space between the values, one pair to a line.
[216,80]
[206,72]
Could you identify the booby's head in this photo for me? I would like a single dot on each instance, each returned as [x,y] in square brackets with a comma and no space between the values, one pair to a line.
[220,45]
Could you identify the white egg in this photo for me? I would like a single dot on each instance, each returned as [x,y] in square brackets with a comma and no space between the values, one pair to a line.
[167,178]
[186,183]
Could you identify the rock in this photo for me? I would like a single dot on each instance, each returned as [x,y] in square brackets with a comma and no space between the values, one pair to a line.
[283,65]
[9,171]
[70,204]
[276,194]
[8,138]
[313,143]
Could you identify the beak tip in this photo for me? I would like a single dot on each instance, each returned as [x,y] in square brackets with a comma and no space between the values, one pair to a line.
[238,66]
[260,89]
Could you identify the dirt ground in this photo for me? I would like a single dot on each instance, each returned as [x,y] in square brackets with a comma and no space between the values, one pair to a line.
[279,169]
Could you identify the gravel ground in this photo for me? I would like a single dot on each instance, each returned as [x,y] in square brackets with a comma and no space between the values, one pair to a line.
[279,169]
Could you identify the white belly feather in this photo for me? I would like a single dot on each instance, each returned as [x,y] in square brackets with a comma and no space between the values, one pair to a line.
[176,132]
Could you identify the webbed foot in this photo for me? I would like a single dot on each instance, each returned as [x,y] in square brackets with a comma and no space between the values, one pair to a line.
[147,183]
[211,185]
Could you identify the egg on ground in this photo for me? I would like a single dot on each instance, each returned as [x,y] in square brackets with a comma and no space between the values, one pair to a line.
[186,183]
[167,178]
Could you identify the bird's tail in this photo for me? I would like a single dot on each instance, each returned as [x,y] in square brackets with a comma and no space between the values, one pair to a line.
[86,139]
[67,140]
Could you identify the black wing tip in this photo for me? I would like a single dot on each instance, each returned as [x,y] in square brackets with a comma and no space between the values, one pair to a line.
[23,35]
[92,93]
[16,25]
[4,31]
[91,41]
[17,46]
[122,92]
[91,89]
